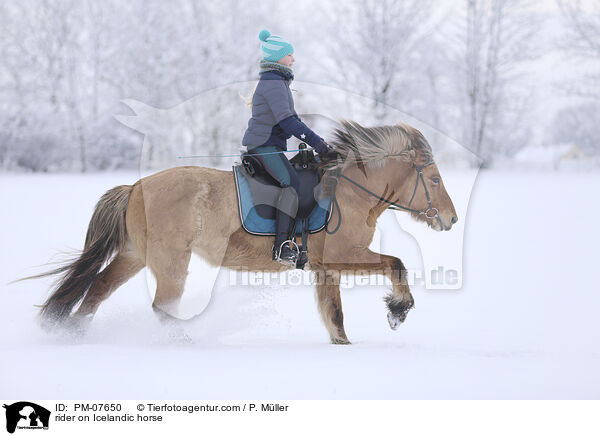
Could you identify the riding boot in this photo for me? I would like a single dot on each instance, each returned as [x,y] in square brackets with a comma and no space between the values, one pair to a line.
[286,208]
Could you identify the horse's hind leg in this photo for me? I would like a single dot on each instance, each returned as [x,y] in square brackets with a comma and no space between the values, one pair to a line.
[170,268]
[125,265]
[330,306]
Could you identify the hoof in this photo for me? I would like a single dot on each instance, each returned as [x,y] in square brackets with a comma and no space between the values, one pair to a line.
[398,309]
[77,325]
[340,341]
[395,320]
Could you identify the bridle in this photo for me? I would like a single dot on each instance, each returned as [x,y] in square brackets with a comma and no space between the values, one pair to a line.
[396,206]
[429,213]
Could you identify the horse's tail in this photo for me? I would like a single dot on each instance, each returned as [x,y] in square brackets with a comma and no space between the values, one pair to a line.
[106,234]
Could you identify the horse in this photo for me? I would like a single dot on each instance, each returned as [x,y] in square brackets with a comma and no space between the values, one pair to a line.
[160,220]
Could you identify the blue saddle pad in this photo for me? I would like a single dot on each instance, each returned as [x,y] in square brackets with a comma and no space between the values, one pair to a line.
[255,224]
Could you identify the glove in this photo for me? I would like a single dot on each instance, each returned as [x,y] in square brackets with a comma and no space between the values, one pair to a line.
[330,155]
[322,147]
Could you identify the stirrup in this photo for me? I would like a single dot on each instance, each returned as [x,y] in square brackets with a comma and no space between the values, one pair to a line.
[278,252]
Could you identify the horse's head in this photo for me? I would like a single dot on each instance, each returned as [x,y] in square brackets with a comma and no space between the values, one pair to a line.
[396,163]
[437,210]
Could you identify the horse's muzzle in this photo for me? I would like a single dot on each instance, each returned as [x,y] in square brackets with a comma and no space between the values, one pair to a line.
[447,224]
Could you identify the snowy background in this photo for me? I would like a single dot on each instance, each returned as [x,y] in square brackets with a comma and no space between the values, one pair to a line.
[514,82]
[498,76]
[524,325]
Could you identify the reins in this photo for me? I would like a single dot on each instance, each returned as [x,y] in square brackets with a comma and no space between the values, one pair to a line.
[392,204]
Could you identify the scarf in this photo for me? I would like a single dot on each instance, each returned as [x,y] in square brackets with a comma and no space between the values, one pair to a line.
[270,66]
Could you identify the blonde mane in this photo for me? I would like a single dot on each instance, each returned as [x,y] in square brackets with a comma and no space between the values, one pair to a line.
[372,145]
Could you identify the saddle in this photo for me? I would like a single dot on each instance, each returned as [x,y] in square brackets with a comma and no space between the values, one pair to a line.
[258,192]
[262,191]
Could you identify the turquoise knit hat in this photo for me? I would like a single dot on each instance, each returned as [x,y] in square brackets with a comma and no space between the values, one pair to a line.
[274,47]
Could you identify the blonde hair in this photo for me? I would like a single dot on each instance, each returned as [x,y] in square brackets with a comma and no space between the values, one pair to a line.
[248,100]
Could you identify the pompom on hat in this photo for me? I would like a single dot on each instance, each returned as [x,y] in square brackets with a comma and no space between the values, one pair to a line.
[274,47]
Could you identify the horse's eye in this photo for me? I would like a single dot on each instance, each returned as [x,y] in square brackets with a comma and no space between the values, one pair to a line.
[436,180]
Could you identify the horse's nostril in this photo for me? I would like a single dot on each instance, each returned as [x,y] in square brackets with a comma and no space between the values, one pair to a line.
[454,219]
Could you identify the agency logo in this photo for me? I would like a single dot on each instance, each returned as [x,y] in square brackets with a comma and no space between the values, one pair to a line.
[26,415]
[206,131]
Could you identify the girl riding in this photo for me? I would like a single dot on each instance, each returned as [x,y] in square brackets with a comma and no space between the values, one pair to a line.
[274,120]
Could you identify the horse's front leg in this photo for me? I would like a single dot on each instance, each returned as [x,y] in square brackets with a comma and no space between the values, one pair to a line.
[400,301]
[330,305]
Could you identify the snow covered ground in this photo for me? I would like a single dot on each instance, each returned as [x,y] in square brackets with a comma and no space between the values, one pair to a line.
[524,325]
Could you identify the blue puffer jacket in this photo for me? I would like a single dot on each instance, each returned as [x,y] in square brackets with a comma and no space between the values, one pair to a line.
[274,119]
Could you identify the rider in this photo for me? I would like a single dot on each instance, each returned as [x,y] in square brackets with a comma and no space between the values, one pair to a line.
[273,121]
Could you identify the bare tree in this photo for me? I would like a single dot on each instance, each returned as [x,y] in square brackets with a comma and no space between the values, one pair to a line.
[492,42]
[582,45]
[373,45]
[579,125]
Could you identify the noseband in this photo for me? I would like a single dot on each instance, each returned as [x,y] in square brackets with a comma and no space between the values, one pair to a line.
[430,213]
